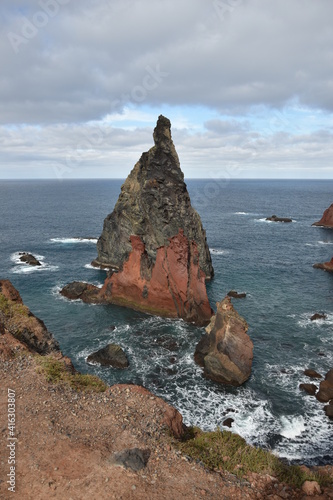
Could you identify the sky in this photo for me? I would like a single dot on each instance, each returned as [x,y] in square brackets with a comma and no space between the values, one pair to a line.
[246,84]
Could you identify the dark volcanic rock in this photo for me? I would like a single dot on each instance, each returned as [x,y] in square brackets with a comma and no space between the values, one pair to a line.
[274,218]
[327,218]
[134,458]
[236,295]
[28,258]
[19,321]
[312,373]
[81,290]
[111,355]
[226,351]
[309,388]
[154,204]
[228,422]
[318,316]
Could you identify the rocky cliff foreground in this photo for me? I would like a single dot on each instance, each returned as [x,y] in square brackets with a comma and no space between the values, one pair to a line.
[154,242]
[73,437]
[327,218]
[154,204]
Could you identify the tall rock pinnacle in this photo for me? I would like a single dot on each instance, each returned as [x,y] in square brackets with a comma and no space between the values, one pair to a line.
[154,204]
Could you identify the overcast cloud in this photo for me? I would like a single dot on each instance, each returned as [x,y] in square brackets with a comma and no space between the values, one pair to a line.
[247,84]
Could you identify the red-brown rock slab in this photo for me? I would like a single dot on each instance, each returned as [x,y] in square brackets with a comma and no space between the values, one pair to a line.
[327,218]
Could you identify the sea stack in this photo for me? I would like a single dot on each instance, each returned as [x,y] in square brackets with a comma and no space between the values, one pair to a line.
[153,204]
[154,242]
[226,351]
[327,218]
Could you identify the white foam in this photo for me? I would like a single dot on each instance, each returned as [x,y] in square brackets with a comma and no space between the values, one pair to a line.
[25,268]
[89,266]
[73,240]
[325,242]
[306,322]
[217,251]
[242,213]
[292,427]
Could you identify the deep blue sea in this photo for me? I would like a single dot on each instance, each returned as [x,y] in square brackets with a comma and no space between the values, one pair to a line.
[271,262]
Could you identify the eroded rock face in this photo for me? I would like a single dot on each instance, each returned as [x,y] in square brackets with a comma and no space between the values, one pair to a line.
[174,286]
[154,204]
[327,218]
[226,351]
[17,319]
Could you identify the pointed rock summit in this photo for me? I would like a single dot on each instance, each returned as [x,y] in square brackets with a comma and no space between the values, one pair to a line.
[154,242]
[154,204]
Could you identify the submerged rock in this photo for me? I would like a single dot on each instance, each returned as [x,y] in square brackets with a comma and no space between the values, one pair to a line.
[275,218]
[236,295]
[110,355]
[154,204]
[30,259]
[81,290]
[312,373]
[309,388]
[226,351]
[316,316]
[327,218]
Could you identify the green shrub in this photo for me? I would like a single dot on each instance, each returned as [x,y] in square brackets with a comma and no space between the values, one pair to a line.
[224,450]
[56,372]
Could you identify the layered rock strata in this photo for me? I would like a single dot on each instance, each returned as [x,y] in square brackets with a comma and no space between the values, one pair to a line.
[226,351]
[17,320]
[154,204]
[153,242]
[327,218]
[174,286]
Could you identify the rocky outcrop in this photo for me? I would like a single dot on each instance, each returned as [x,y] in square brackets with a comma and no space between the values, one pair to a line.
[30,259]
[110,355]
[81,290]
[327,218]
[325,393]
[17,320]
[275,218]
[236,295]
[153,242]
[326,266]
[226,351]
[174,286]
[317,316]
[154,204]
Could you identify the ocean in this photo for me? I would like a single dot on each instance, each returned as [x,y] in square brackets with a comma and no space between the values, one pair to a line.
[60,221]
